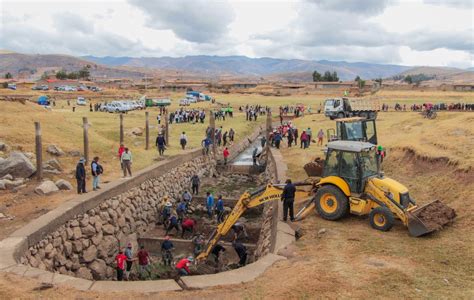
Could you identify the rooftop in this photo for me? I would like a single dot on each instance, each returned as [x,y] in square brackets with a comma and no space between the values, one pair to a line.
[351,146]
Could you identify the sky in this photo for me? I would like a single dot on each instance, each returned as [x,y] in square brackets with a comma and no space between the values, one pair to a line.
[406,32]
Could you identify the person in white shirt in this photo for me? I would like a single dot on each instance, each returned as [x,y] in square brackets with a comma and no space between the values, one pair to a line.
[183,140]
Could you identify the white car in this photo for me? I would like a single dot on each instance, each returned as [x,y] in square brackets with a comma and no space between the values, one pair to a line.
[81,101]
[184,102]
[191,99]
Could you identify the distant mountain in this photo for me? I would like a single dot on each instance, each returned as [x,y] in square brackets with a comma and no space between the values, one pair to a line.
[36,64]
[246,66]
[443,74]
[203,66]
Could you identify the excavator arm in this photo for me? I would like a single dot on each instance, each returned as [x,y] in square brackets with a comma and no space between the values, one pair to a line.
[248,200]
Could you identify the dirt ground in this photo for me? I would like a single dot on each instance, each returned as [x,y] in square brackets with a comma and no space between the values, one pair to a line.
[345,259]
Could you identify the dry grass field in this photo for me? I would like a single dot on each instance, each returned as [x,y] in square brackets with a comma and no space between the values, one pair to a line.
[433,158]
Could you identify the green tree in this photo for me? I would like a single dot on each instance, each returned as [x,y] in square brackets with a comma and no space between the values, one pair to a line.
[327,76]
[361,84]
[61,75]
[8,75]
[44,76]
[357,79]
[73,75]
[84,72]
[379,80]
[408,79]
[334,76]
[316,76]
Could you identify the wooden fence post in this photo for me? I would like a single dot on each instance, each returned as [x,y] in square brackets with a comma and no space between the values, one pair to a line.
[39,152]
[121,128]
[85,126]
[147,131]
[167,126]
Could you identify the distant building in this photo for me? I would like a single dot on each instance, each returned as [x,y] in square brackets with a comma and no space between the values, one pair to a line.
[181,85]
[236,85]
[346,85]
[468,87]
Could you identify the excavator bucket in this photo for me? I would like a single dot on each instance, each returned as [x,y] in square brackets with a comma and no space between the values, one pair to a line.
[428,218]
[314,168]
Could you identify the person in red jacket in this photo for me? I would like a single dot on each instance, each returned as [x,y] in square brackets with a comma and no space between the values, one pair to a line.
[183,266]
[187,226]
[121,149]
[226,154]
[120,260]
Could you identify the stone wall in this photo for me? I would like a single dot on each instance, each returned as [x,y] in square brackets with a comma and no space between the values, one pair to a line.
[86,244]
[266,242]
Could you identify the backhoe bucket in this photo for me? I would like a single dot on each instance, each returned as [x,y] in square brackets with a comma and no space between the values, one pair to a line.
[430,217]
[314,168]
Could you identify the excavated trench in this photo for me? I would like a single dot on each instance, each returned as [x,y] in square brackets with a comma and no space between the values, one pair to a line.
[83,238]
[230,184]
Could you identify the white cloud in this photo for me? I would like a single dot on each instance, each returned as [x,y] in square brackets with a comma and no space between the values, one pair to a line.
[195,21]
[384,31]
[454,3]
[359,7]
[72,22]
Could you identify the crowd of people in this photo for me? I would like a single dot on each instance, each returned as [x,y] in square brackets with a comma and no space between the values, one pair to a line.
[296,110]
[427,106]
[253,111]
[177,221]
[292,134]
[183,115]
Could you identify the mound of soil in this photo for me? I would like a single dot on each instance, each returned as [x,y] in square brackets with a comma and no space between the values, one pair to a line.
[435,215]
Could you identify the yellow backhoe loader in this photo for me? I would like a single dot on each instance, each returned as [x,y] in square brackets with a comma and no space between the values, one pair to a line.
[351,182]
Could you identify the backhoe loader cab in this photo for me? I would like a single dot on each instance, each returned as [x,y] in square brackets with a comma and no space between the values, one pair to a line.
[354,129]
[354,162]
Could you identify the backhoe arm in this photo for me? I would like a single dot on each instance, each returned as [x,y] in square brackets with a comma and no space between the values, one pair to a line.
[247,200]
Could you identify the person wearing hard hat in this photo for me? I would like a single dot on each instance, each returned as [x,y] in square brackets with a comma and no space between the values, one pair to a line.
[166,248]
[183,266]
[81,176]
[130,259]
[380,153]
[166,213]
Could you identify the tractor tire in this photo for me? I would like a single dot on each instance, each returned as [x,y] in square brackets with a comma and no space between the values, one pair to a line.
[381,218]
[331,203]
[340,115]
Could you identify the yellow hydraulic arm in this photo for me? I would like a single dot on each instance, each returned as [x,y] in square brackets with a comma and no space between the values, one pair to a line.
[248,200]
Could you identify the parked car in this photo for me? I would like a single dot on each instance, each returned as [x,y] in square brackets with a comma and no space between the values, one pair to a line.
[184,102]
[81,101]
[11,86]
[191,98]
[40,88]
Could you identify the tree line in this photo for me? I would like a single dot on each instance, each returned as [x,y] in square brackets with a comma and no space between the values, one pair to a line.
[414,78]
[328,76]
[83,73]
